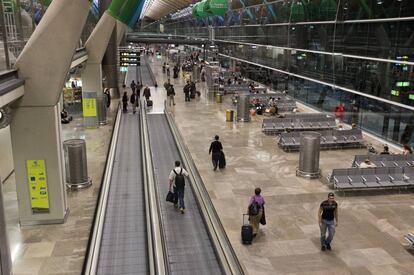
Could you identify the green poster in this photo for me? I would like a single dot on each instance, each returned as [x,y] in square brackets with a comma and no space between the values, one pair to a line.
[36,175]
[89,107]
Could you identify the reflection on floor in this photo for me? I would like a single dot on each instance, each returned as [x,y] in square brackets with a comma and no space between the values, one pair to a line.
[369,237]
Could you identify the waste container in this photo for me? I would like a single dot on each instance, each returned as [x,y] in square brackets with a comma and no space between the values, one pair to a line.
[243,111]
[229,115]
[76,164]
[309,155]
[219,98]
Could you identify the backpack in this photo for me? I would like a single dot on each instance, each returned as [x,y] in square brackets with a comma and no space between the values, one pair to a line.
[179,179]
[254,208]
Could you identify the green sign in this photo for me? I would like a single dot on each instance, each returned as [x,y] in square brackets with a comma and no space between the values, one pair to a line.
[395,92]
[403,84]
[123,69]
[217,7]
[89,107]
[411,96]
[36,176]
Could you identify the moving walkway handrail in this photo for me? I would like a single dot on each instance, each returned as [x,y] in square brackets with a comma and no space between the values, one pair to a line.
[224,250]
[151,73]
[91,262]
[156,243]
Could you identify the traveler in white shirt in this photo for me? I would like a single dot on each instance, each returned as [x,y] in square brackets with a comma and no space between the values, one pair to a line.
[177,181]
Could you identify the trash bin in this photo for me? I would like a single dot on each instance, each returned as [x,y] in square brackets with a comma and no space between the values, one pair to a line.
[76,164]
[243,111]
[229,115]
[309,155]
[219,98]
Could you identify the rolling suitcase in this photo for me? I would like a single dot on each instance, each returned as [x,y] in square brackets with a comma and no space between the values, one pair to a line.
[246,232]
[222,160]
[149,103]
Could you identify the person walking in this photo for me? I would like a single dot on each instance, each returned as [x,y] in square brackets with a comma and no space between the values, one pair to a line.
[256,210]
[177,185]
[132,100]
[170,95]
[187,90]
[147,93]
[125,102]
[138,89]
[167,67]
[167,84]
[328,220]
[216,149]
[108,97]
[133,86]
[339,112]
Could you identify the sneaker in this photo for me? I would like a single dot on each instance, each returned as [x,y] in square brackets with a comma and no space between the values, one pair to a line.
[323,248]
[182,210]
[328,246]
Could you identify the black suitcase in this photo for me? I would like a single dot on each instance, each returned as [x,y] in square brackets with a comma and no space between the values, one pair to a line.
[246,232]
[222,160]
[149,103]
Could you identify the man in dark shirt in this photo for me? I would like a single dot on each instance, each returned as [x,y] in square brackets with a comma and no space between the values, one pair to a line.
[328,211]
[215,148]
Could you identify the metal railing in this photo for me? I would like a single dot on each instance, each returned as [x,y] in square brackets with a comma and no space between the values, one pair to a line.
[156,245]
[223,248]
[92,258]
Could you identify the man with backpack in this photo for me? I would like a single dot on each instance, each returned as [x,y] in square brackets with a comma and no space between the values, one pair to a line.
[177,181]
[133,86]
[170,95]
[187,90]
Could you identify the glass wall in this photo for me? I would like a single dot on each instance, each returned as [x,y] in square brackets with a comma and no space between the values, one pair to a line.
[19,22]
[353,47]
[393,123]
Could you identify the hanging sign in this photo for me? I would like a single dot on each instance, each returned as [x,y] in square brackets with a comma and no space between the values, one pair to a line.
[36,176]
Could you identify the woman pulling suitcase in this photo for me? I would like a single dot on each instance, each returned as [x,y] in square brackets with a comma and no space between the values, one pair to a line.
[256,214]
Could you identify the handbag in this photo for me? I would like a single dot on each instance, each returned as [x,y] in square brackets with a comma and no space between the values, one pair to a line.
[170,197]
[263,218]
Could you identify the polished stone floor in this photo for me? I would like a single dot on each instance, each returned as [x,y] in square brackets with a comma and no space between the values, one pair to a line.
[369,237]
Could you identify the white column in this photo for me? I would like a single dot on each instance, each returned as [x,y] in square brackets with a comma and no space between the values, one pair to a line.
[92,75]
[35,129]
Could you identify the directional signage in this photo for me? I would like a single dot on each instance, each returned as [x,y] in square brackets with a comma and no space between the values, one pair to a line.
[129,57]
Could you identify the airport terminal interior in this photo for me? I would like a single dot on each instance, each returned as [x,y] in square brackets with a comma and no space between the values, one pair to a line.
[206,137]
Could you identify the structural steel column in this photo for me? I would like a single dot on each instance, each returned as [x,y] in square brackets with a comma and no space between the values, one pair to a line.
[36,129]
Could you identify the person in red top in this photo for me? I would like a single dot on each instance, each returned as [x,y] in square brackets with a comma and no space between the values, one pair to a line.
[339,111]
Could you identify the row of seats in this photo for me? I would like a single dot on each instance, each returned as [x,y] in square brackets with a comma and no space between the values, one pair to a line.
[379,177]
[297,123]
[330,139]
[385,160]
[410,238]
